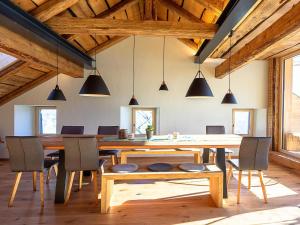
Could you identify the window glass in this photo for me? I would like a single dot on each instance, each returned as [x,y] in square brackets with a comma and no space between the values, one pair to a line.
[143,118]
[6,60]
[241,125]
[47,121]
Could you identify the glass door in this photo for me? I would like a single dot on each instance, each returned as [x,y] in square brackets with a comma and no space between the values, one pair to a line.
[141,118]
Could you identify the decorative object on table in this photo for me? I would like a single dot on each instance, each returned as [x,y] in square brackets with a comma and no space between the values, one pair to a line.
[56,94]
[149,131]
[163,86]
[123,134]
[160,167]
[133,100]
[199,88]
[229,97]
[125,168]
[175,135]
[131,136]
[94,86]
[191,167]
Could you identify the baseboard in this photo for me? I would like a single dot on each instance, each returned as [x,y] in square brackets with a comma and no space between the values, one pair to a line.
[285,160]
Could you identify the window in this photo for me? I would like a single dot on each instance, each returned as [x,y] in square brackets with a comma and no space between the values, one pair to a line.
[291,106]
[6,60]
[141,118]
[45,120]
[242,121]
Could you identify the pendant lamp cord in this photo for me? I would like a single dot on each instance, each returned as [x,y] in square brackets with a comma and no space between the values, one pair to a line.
[133,51]
[57,52]
[229,69]
[164,45]
[95,56]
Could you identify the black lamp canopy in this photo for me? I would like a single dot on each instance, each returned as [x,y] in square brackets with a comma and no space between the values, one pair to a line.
[199,88]
[94,86]
[229,98]
[133,100]
[163,86]
[56,94]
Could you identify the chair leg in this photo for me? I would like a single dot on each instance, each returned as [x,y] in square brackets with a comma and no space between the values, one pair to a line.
[239,186]
[92,177]
[229,156]
[229,175]
[263,186]
[69,186]
[48,175]
[42,188]
[95,182]
[214,158]
[249,179]
[116,159]
[80,180]
[34,181]
[55,167]
[15,188]
[113,160]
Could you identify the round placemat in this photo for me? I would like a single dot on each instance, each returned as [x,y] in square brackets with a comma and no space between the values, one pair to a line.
[191,167]
[125,168]
[160,167]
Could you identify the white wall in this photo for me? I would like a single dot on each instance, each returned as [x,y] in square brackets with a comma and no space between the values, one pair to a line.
[249,85]
[24,120]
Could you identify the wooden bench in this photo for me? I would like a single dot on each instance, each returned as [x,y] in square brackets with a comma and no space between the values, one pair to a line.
[213,173]
[124,153]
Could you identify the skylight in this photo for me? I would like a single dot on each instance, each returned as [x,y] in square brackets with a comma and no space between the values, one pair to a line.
[296,75]
[6,60]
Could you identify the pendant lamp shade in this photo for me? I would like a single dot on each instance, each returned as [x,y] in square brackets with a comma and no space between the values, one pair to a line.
[56,95]
[94,86]
[133,101]
[163,86]
[199,88]
[229,97]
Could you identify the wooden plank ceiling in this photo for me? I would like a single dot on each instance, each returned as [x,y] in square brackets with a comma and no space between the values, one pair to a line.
[23,75]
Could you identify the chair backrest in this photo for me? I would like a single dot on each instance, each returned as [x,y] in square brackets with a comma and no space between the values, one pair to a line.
[26,153]
[81,153]
[72,130]
[108,130]
[215,130]
[254,153]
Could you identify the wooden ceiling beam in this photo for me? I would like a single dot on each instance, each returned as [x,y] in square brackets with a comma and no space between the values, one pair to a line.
[148,9]
[211,7]
[16,45]
[132,27]
[12,69]
[51,8]
[101,47]
[180,11]
[10,96]
[287,25]
[190,43]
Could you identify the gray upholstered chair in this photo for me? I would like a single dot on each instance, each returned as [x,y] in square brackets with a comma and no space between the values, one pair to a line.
[81,153]
[217,130]
[26,155]
[109,130]
[253,155]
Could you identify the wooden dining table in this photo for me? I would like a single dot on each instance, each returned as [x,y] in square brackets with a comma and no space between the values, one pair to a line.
[218,141]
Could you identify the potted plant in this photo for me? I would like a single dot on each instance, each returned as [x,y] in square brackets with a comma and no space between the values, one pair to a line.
[149,131]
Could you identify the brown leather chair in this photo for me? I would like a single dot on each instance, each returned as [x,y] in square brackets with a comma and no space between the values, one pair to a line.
[253,155]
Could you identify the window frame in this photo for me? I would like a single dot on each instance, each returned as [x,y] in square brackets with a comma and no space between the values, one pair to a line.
[133,117]
[37,118]
[251,120]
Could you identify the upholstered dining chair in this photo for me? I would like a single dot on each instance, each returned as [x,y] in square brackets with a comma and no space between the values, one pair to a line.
[109,130]
[253,156]
[217,130]
[81,153]
[26,155]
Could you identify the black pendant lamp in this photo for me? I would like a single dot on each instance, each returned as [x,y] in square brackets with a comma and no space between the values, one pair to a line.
[56,94]
[133,100]
[229,97]
[163,86]
[199,88]
[94,86]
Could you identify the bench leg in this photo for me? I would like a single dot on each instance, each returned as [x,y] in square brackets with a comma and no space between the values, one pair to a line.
[216,190]
[106,192]
[197,158]
[123,158]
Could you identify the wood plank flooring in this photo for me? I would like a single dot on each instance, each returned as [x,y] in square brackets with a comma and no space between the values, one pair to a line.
[156,202]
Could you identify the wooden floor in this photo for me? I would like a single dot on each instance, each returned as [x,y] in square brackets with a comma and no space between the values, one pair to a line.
[157,202]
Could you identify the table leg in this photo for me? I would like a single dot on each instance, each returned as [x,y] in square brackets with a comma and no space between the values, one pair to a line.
[205,155]
[61,179]
[221,163]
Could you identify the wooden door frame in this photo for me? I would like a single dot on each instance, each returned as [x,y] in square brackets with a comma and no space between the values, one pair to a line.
[154,112]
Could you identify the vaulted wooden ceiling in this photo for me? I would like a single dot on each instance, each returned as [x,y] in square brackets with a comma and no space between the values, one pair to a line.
[74,21]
